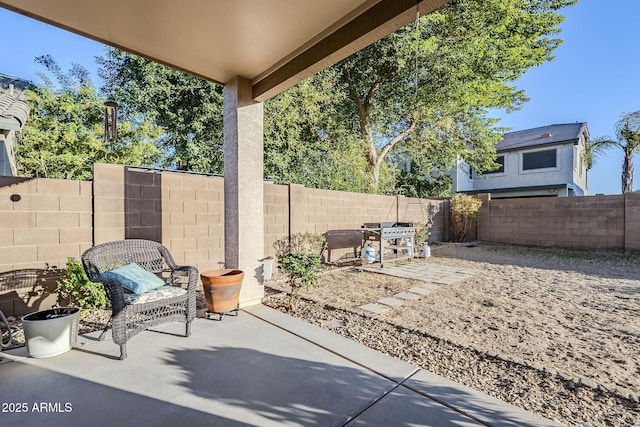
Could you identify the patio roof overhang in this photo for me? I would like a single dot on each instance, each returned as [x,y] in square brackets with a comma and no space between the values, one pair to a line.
[272,43]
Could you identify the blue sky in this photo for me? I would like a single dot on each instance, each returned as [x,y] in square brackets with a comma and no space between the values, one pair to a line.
[593,79]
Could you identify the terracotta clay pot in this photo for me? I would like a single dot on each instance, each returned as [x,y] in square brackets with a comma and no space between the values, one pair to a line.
[222,289]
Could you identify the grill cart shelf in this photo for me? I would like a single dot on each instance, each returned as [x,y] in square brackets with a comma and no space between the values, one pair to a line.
[390,235]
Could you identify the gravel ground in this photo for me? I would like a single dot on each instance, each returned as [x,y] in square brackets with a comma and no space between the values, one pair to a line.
[554,332]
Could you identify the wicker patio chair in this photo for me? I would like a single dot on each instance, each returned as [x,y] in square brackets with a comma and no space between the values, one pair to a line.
[166,304]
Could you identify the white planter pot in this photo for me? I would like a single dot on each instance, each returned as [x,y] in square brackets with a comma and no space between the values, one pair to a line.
[267,268]
[425,250]
[52,332]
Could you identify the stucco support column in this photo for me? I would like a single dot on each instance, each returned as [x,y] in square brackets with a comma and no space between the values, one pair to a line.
[243,189]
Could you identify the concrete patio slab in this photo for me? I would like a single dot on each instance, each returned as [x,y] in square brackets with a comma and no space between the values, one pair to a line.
[386,366]
[240,371]
[404,407]
[261,368]
[483,408]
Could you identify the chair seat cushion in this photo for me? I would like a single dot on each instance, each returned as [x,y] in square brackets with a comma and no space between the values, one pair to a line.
[135,278]
[156,294]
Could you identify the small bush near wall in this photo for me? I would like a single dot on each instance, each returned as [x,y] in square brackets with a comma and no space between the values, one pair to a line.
[464,210]
[299,256]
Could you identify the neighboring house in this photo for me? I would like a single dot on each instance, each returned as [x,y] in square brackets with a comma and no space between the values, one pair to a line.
[547,161]
[13,115]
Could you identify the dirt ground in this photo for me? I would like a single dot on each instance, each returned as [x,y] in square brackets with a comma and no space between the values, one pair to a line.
[576,312]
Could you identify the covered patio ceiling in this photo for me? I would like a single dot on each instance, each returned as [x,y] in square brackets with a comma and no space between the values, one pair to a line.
[272,43]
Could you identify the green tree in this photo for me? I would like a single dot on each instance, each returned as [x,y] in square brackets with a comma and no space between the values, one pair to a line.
[627,139]
[433,82]
[425,90]
[303,142]
[64,135]
[306,144]
[187,108]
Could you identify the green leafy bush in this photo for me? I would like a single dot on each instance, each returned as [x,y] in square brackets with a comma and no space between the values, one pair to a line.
[80,291]
[299,256]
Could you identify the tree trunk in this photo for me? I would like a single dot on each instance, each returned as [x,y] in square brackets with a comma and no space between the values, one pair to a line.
[375,157]
[627,173]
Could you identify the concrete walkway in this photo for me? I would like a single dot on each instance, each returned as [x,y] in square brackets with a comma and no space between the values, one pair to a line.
[261,368]
[432,276]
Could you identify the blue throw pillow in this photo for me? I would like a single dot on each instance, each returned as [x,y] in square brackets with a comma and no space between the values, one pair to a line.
[135,278]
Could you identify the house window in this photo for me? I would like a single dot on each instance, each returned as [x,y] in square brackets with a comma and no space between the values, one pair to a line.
[581,167]
[539,160]
[499,161]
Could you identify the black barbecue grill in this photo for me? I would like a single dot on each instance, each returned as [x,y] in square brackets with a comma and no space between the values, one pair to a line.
[397,236]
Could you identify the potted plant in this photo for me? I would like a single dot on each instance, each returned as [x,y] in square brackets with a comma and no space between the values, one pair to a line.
[422,240]
[52,332]
[49,333]
[299,257]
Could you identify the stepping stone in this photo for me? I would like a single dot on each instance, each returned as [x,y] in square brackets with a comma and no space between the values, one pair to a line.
[422,291]
[334,323]
[374,308]
[446,280]
[407,296]
[392,302]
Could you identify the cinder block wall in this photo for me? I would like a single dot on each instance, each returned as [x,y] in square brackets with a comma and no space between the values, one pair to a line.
[632,222]
[183,211]
[193,219]
[318,211]
[276,215]
[417,211]
[42,222]
[109,206]
[593,222]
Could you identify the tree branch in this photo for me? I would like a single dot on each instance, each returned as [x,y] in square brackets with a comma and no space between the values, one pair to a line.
[402,135]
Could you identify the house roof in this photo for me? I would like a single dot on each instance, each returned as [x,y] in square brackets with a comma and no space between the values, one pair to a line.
[544,135]
[13,107]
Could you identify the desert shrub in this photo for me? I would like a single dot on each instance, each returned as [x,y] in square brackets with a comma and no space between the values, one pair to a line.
[464,210]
